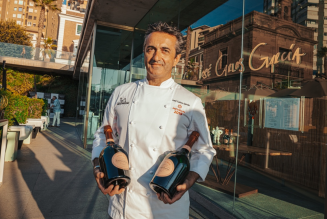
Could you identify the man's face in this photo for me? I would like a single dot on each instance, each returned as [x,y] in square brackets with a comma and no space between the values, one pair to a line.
[160,55]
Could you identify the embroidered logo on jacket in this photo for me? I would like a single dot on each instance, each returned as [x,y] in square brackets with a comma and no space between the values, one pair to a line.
[122,101]
[177,101]
[178,110]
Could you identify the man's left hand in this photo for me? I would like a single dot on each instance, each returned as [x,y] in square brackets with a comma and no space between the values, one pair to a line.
[181,189]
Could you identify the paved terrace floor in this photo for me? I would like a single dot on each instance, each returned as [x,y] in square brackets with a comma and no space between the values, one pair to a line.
[52,178]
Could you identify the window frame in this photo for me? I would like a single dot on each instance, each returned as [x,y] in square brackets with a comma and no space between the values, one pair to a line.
[76,31]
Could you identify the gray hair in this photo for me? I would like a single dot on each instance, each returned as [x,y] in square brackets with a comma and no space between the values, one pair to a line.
[165,28]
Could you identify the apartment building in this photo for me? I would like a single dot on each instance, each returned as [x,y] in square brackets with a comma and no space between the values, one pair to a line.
[70,24]
[195,51]
[304,12]
[27,14]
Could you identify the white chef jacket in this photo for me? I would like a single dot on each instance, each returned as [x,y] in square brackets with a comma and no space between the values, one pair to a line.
[148,122]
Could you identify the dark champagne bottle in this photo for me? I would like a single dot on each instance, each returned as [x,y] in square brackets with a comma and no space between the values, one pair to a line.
[114,162]
[173,169]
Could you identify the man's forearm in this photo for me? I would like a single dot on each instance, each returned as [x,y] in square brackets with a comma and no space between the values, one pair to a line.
[192,177]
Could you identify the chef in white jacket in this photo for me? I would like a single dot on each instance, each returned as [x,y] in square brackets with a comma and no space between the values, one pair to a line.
[149,118]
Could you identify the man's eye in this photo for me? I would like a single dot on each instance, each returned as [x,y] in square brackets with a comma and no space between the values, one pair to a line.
[149,49]
[166,51]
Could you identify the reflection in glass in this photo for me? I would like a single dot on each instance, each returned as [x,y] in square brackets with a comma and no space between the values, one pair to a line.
[111,68]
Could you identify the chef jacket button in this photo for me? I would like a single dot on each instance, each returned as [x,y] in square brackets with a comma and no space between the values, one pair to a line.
[132,168]
[170,88]
[130,190]
[160,127]
[133,101]
[154,149]
[132,145]
[151,172]
[165,106]
[148,194]
[131,122]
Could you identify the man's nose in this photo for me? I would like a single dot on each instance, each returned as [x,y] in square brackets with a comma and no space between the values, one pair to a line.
[156,56]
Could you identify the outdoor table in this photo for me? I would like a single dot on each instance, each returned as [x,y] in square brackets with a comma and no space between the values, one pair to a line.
[38,125]
[3,146]
[24,132]
[12,145]
[28,139]
[223,183]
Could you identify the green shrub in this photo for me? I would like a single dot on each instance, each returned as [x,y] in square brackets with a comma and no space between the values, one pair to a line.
[35,108]
[17,107]
[21,107]
[45,107]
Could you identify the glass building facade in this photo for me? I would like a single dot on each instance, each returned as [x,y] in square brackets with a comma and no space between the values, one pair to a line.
[261,78]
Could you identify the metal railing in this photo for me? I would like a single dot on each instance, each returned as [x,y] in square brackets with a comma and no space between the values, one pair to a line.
[29,52]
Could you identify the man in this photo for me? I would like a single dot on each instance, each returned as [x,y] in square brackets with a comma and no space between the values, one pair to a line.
[56,110]
[149,118]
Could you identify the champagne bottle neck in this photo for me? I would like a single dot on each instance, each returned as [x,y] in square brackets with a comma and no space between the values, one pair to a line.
[185,150]
[192,139]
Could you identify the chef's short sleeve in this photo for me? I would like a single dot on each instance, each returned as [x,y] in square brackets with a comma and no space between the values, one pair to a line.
[109,118]
[202,150]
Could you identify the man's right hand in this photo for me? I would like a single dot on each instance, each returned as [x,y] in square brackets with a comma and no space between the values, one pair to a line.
[111,190]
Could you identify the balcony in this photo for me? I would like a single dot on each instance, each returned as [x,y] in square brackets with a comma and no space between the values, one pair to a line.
[49,60]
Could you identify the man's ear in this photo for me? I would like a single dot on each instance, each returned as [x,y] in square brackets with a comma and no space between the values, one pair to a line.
[176,59]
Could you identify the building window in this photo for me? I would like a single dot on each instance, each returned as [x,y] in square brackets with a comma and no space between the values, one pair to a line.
[20,9]
[34,17]
[224,58]
[19,15]
[31,3]
[21,2]
[13,15]
[35,11]
[19,22]
[78,29]
[34,25]
[29,24]
[15,2]
[30,10]
[30,17]
[195,58]
[201,57]
[15,8]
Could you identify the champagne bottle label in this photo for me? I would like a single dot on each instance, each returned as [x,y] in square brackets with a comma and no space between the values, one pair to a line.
[187,147]
[120,161]
[166,168]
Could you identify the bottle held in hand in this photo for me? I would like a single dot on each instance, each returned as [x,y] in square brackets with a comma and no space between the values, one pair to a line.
[174,169]
[113,161]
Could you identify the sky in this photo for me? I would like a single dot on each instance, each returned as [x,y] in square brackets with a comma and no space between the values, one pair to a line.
[230,10]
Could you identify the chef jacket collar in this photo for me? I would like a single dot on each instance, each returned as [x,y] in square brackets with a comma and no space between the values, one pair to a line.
[166,84]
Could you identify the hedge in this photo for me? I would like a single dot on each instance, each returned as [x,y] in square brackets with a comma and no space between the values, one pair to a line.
[21,107]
